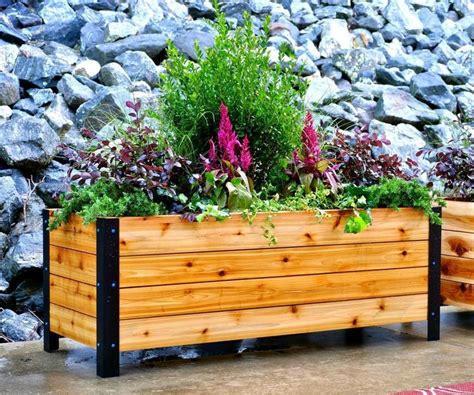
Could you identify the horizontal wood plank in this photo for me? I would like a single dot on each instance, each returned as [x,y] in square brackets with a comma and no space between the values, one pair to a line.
[73,295]
[243,324]
[72,264]
[457,294]
[74,325]
[457,269]
[278,291]
[459,244]
[149,270]
[459,216]
[170,234]
[75,235]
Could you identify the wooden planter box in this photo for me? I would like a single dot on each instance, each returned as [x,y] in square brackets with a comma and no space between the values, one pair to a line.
[457,278]
[136,283]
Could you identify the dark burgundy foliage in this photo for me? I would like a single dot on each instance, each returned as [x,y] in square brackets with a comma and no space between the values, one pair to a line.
[454,165]
[132,158]
[358,163]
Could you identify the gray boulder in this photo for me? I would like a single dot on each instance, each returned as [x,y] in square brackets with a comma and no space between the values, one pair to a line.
[26,105]
[145,11]
[396,106]
[73,91]
[405,140]
[9,89]
[10,203]
[66,33]
[56,11]
[185,42]
[430,21]
[151,44]
[35,67]
[356,63]
[5,113]
[8,55]
[116,30]
[23,327]
[393,76]
[91,35]
[58,116]
[41,96]
[107,106]
[404,62]
[334,36]
[55,177]
[113,74]
[430,88]
[12,35]
[320,89]
[466,105]
[401,15]
[4,284]
[301,13]
[61,52]
[27,143]
[139,67]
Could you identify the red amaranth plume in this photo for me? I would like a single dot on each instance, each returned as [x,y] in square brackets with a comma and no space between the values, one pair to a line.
[245,155]
[226,137]
[310,141]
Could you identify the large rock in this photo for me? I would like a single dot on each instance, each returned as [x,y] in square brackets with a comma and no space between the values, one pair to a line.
[23,327]
[186,40]
[357,63]
[430,88]
[113,74]
[8,55]
[301,13]
[41,96]
[334,36]
[66,33]
[151,44]
[27,143]
[116,30]
[4,284]
[54,182]
[393,76]
[59,117]
[396,106]
[145,11]
[9,89]
[401,15]
[107,106]
[61,52]
[405,139]
[12,35]
[466,105]
[35,67]
[87,68]
[139,67]
[56,11]
[319,90]
[11,202]
[74,92]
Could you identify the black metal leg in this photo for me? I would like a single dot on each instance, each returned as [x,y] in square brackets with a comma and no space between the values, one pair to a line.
[108,352]
[434,281]
[50,339]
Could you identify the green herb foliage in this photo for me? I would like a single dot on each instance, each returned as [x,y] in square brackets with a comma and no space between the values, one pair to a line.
[105,199]
[264,101]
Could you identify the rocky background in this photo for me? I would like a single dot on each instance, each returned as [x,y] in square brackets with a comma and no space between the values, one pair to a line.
[403,67]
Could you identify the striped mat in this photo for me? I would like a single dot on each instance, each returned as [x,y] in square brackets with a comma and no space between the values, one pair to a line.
[464,388]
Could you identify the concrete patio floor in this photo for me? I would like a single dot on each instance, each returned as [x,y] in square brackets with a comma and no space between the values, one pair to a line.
[370,361]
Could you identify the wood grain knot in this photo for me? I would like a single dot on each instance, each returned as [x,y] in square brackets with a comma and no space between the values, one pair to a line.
[205,330]
[354,321]
[189,264]
[286,259]
[294,309]
[308,236]
[404,253]
[222,273]
[401,230]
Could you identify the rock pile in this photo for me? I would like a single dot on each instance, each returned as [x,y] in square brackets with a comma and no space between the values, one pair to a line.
[404,67]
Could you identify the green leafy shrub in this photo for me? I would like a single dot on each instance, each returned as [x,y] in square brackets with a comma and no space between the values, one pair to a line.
[264,102]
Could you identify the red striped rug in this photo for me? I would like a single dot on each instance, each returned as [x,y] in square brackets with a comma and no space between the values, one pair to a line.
[464,388]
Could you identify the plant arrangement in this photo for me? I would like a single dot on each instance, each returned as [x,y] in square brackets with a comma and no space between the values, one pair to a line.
[230,144]
[454,166]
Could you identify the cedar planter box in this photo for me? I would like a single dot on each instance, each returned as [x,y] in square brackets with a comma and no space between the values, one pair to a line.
[457,279]
[136,283]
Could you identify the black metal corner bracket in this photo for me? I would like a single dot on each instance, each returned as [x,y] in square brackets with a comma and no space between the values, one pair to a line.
[108,352]
[50,339]
[434,279]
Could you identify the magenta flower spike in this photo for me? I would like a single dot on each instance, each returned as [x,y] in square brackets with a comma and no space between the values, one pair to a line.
[245,155]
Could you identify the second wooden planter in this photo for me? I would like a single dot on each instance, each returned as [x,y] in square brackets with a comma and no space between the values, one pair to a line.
[135,283]
[457,280]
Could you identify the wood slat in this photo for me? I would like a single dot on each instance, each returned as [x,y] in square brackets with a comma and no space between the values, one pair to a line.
[170,234]
[73,295]
[242,294]
[459,244]
[457,294]
[72,264]
[459,216]
[457,269]
[75,235]
[74,325]
[243,324]
[149,270]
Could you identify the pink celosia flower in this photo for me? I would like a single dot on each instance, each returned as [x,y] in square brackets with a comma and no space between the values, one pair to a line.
[245,155]
[310,142]
[226,137]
